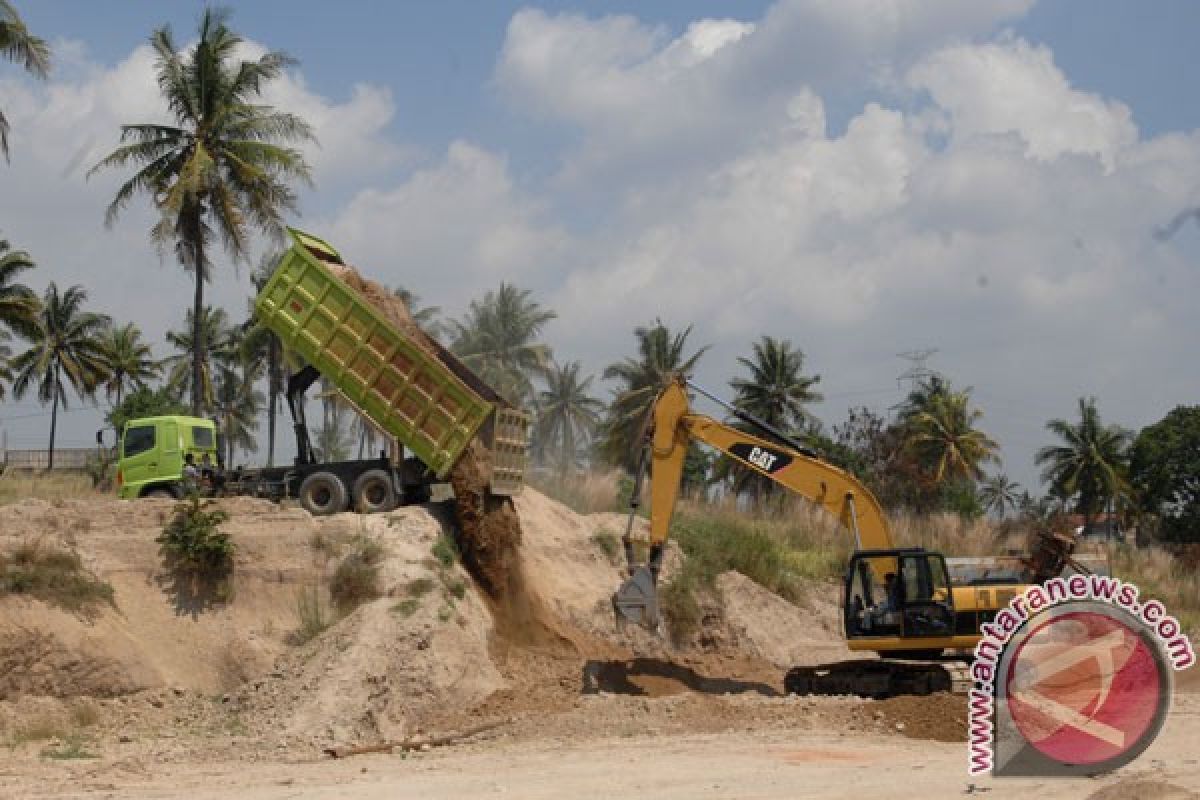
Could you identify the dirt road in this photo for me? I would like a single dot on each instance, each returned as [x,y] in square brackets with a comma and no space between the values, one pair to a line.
[815,761]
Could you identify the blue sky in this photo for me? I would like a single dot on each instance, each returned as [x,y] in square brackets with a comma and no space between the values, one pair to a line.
[982,178]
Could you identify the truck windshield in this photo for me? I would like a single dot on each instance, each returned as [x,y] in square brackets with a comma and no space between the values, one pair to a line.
[202,438]
[137,440]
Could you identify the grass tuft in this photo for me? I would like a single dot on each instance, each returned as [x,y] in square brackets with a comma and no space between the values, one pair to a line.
[356,579]
[53,575]
[312,616]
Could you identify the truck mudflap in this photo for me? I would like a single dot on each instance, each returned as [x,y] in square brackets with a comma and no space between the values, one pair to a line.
[510,449]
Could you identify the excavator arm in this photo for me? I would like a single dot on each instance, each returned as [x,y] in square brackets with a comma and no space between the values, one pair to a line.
[835,490]
[674,427]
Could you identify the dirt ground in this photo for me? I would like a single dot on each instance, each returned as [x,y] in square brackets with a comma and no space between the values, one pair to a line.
[158,697]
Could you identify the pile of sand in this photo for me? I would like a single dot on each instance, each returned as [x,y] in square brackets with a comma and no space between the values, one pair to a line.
[150,638]
[442,656]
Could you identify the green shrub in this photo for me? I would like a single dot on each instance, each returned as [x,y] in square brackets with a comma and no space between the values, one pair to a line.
[72,746]
[445,550]
[406,607]
[609,544]
[457,587]
[680,607]
[419,587]
[196,550]
[52,575]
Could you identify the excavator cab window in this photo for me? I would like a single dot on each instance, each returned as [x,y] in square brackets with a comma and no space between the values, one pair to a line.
[873,597]
[898,594]
[928,609]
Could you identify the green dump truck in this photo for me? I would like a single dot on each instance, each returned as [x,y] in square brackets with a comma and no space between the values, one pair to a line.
[422,398]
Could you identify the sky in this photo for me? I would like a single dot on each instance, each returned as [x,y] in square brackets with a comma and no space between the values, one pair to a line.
[866,178]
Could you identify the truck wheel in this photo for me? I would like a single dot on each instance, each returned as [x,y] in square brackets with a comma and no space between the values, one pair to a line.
[161,493]
[374,492]
[323,493]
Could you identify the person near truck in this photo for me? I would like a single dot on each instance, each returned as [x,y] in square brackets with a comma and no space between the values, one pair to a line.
[191,475]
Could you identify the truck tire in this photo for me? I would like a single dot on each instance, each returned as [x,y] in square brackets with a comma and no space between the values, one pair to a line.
[374,492]
[323,493]
[160,493]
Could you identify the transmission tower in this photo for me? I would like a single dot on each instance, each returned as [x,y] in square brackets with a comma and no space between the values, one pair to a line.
[918,370]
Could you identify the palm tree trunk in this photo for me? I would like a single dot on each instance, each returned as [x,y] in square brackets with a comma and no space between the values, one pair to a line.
[272,395]
[197,320]
[53,421]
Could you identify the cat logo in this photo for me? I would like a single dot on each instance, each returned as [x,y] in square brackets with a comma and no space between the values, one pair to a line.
[769,461]
[761,459]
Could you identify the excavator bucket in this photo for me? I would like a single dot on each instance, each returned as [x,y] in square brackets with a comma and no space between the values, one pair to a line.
[637,600]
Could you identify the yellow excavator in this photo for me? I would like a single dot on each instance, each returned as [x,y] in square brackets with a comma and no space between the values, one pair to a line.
[899,602]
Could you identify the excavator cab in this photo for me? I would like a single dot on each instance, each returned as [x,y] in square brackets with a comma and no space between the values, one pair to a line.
[895,598]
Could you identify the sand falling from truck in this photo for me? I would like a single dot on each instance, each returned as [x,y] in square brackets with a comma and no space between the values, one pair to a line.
[490,531]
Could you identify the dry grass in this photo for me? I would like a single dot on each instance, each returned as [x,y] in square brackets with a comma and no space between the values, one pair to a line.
[1160,576]
[21,484]
[583,493]
[312,616]
[52,575]
[356,579]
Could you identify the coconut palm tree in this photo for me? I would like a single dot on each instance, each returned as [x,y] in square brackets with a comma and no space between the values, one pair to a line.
[331,439]
[777,391]
[20,46]
[999,495]
[498,340]
[661,356]
[567,414]
[129,361]
[1090,463]
[66,345]
[218,352]
[223,169]
[426,317]
[237,406]
[18,303]
[6,374]
[261,344]
[943,439]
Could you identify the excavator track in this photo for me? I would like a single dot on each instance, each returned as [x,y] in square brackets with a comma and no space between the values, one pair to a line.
[878,679]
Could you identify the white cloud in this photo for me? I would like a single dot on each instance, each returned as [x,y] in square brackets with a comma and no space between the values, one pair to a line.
[644,102]
[1013,87]
[451,229]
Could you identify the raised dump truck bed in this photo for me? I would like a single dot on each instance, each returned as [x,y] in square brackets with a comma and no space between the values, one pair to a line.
[408,393]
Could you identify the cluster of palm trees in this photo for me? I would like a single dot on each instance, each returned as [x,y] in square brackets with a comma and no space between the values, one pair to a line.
[224,170]
[68,346]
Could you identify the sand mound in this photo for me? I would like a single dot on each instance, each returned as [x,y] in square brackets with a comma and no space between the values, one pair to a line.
[767,626]
[148,640]
[444,656]
[389,664]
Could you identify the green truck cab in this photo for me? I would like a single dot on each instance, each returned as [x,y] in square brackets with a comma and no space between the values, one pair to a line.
[151,452]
